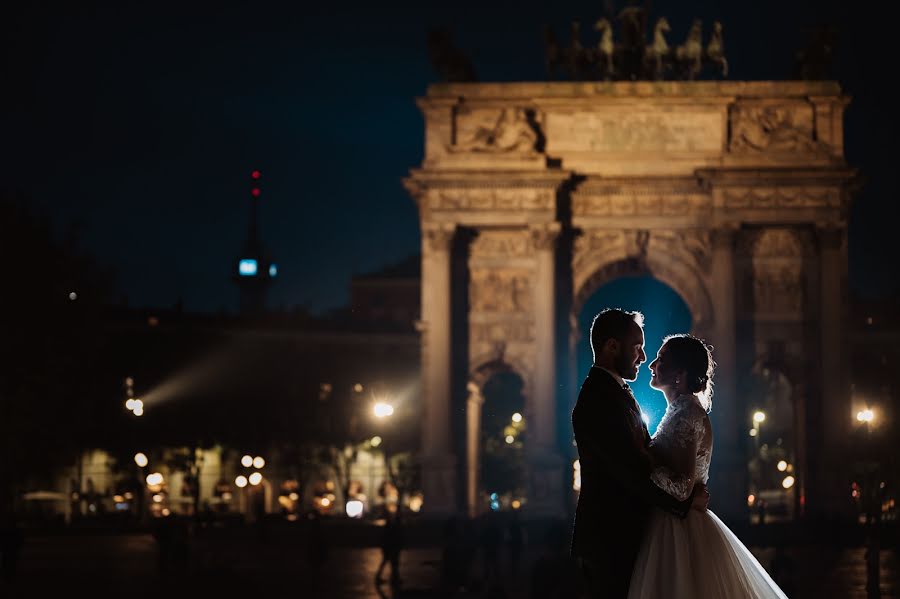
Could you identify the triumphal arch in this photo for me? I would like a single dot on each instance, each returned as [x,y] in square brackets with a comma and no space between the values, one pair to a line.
[533,195]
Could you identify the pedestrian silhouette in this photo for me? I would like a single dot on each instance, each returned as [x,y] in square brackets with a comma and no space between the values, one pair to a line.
[392,540]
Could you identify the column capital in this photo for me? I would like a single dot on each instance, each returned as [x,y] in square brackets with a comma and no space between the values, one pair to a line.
[544,235]
[438,236]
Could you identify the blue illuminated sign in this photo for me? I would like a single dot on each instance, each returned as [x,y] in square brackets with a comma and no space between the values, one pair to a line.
[247,267]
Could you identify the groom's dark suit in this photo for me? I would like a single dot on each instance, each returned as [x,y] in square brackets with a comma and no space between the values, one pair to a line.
[616,491]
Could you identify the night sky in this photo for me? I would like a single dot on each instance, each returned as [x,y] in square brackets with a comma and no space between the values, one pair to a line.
[139,125]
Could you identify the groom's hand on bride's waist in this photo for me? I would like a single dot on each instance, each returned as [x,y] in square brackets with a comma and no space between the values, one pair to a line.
[700,498]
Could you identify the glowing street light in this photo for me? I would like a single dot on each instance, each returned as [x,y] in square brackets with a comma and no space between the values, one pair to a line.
[154,479]
[139,411]
[517,417]
[247,461]
[354,508]
[140,459]
[383,410]
[255,478]
[759,417]
[510,439]
[376,441]
[782,466]
[241,481]
[258,463]
[129,404]
[867,416]
[788,482]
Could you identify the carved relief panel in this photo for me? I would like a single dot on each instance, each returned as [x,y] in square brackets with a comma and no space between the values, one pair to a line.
[501,245]
[758,127]
[496,130]
[505,291]
[488,199]
[777,271]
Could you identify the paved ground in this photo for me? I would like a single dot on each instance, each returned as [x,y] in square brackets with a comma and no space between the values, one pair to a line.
[125,565]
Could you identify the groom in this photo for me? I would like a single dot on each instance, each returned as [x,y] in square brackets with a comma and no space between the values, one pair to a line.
[616,491]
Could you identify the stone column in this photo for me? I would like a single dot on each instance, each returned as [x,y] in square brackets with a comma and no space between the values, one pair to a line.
[438,461]
[473,442]
[729,486]
[544,461]
[836,409]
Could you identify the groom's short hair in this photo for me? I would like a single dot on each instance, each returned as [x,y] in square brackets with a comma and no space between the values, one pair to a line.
[612,323]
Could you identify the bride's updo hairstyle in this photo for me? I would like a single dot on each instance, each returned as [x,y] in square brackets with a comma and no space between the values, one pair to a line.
[694,356]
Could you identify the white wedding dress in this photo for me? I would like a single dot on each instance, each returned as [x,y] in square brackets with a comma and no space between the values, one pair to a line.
[696,556]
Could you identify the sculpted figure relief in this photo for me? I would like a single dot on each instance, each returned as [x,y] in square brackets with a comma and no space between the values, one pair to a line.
[777,272]
[500,291]
[772,129]
[512,132]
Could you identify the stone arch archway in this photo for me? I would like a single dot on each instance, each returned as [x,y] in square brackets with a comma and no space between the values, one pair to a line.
[682,277]
[488,368]
[630,178]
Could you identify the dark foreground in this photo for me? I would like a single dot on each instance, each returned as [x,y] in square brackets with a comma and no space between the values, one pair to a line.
[247,562]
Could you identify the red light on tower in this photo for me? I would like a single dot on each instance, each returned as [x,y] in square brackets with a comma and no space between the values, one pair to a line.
[255,191]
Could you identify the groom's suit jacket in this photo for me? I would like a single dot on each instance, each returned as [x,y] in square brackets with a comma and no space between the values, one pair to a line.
[616,491]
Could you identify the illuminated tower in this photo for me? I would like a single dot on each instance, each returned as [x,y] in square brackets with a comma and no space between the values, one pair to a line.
[254,270]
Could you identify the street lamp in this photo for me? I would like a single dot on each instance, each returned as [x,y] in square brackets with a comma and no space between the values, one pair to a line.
[871,503]
[141,460]
[383,409]
[758,418]
[867,416]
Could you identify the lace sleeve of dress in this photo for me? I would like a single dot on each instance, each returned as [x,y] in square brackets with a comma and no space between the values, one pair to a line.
[683,439]
[676,485]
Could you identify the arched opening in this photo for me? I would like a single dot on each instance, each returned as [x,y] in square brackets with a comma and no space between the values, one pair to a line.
[665,312]
[503,437]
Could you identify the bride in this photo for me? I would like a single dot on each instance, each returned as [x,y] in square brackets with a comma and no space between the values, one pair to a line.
[697,556]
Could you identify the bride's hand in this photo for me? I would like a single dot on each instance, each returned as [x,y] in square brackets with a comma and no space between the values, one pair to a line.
[700,498]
